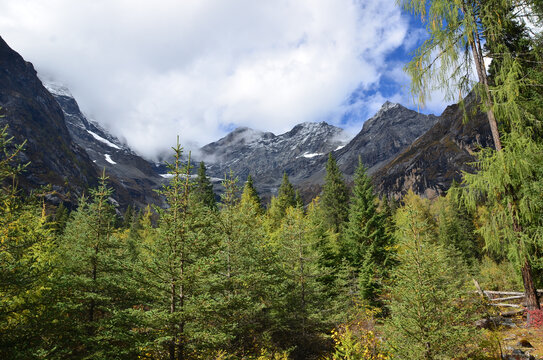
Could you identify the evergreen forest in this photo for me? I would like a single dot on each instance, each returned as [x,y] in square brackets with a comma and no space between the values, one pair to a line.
[352,275]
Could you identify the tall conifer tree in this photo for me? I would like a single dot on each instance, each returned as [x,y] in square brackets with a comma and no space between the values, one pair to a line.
[286,197]
[429,319]
[365,239]
[250,192]
[203,188]
[93,287]
[180,247]
[335,196]
[301,305]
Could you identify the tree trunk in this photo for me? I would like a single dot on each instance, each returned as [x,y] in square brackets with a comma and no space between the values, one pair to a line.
[532,298]
[171,347]
[181,343]
[530,292]
[481,73]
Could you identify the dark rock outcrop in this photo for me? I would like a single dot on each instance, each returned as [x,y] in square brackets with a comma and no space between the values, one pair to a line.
[383,136]
[302,152]
[133,178]
[438,157]
[35,116]
[266,156]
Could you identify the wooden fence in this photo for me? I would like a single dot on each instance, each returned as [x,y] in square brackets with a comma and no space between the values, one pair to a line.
[503,298]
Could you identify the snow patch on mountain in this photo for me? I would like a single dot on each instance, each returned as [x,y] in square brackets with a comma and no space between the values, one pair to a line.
[57,89]
[101,139]
[309,156]
[109,160]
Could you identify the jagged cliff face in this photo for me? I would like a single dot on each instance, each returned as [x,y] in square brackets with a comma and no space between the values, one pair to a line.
[34,115]
[133,178]
[401,148]
[64,148]
[438,157]
[302,152]
[266,156]
[384,136]
[380,140]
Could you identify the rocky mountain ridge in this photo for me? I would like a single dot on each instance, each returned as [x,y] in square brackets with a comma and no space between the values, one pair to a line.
[266,156]
[400,147]
[433,161]
[133,177]
[302,152]
[33,115]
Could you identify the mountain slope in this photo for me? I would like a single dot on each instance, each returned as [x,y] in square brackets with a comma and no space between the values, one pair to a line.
[133,177]
[265,156]
[302,152]
[438,157]
[34,115]
[382,137]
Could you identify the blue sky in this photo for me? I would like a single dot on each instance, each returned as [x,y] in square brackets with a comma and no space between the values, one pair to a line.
[148,71]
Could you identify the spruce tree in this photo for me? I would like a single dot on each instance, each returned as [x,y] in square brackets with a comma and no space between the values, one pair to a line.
[327,244]
[429,315]
[286,193]
[240,280]
[286,197]
[62,214]
[298,199]
[94,290]
[366,243]
[251,194]
[302,302]
[167,254]
[457,226]
[203,188]
[175,260]
[334,197]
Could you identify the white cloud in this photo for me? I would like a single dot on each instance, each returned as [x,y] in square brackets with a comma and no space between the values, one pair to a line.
[151,70]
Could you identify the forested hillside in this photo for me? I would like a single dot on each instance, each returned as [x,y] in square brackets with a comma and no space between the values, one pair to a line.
[350,276]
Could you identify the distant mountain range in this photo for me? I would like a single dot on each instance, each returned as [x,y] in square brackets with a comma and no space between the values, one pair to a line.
[401,148]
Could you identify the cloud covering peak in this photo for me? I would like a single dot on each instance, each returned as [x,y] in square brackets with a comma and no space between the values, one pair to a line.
[197,68]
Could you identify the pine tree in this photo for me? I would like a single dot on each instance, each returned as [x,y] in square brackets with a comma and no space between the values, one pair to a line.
[298,199]
[429,315]
[240,279]
[167,256]
[334,197]
[286,197]
[175,260]
[62,214]
[249,192]
[300,308]
[94,291]
[203,189]
[366,243]
[26,250]
[457,227]
[286,193]
[327,244]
